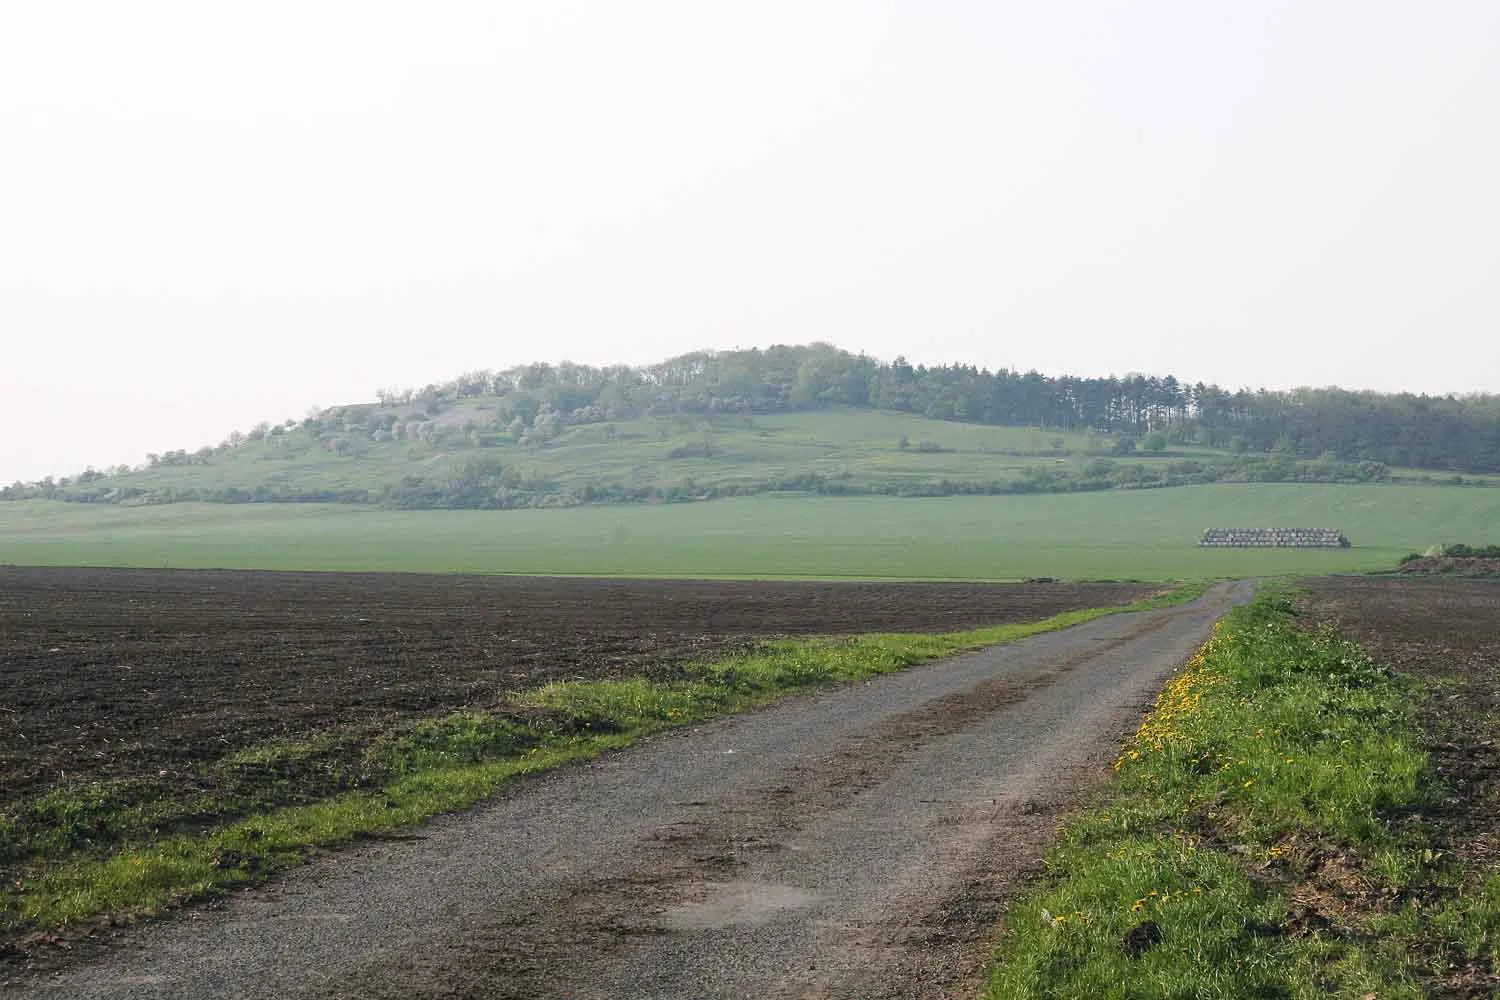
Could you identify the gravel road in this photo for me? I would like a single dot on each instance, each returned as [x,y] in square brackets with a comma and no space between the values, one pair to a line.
[853,843]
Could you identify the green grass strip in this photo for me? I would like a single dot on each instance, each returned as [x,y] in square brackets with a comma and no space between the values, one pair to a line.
[1273,743]
[445,764]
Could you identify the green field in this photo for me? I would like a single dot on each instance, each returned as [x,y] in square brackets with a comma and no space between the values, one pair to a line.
[1122,534]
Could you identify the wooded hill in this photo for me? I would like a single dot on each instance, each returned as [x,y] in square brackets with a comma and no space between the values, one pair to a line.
[733,422]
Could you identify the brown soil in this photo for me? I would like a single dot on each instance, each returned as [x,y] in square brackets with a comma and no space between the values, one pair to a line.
[1447,633]
[118,673]
[1452,566]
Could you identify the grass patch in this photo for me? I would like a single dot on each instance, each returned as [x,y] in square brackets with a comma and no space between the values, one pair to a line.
[1264,837]
[107,850]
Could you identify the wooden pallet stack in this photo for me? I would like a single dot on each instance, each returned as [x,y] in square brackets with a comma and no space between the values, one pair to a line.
[1274,538]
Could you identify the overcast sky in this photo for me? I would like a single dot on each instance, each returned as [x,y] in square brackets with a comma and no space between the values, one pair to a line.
[216,213]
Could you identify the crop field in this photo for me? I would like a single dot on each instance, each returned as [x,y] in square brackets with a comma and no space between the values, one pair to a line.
[1420,626]
[1122,534]
[111,673]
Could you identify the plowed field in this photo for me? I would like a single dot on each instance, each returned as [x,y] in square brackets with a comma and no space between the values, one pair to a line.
[119,673]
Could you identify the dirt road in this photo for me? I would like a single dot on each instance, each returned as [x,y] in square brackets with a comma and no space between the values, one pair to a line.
[856,843]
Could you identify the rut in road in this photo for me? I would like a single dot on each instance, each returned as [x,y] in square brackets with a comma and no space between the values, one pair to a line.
[854,843]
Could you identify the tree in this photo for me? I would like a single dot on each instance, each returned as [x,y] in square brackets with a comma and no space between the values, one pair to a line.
[547,425]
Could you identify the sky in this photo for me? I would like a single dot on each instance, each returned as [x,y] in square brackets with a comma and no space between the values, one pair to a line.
[214,214]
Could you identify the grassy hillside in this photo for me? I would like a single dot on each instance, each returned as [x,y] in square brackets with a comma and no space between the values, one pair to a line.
[720,452]
[1138,534]
[463,457]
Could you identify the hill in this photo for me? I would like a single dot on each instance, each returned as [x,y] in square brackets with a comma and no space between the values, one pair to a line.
[845,452]
[807,419]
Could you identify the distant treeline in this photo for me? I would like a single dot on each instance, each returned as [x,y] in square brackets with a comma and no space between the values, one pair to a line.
[1430,432]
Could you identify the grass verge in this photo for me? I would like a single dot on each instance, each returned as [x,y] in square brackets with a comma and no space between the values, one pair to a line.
[115,851]
[1264,837]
